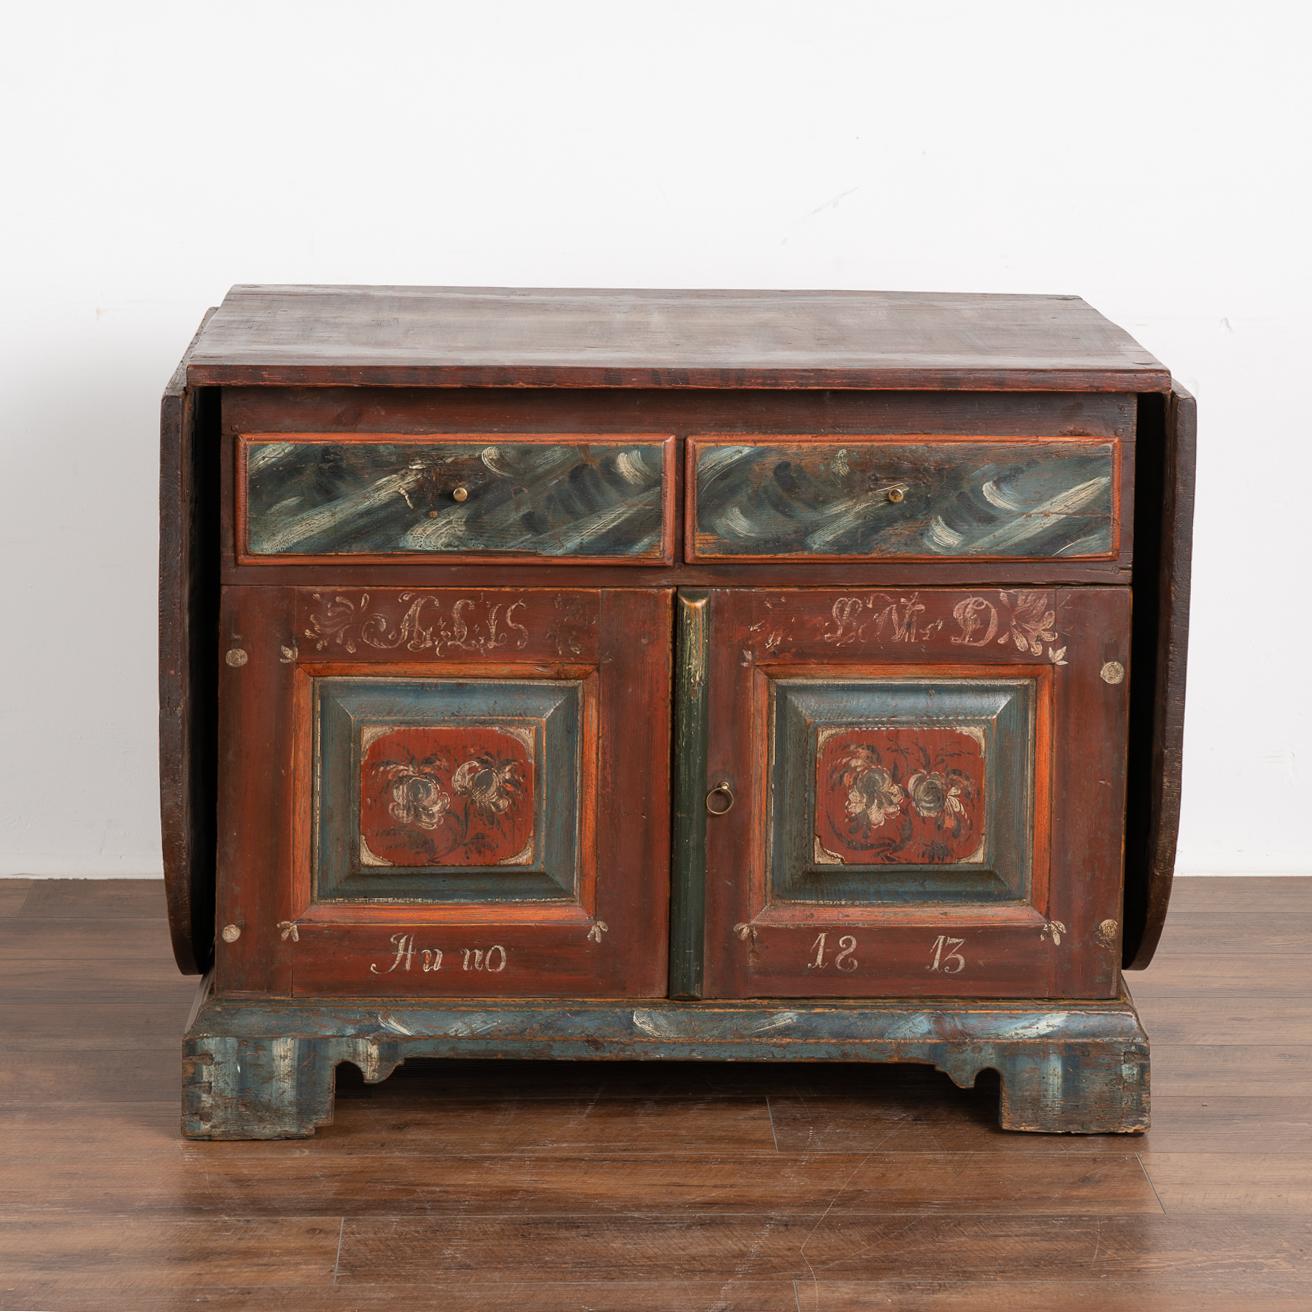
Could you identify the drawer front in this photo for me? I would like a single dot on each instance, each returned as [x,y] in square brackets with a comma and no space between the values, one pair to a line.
[524,498]
[910,498]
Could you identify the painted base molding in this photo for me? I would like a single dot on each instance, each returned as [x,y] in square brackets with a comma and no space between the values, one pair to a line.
[267,1069]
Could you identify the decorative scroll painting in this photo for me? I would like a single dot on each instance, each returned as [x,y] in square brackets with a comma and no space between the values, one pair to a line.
[899,795]
[1018,499]
[313,496]
[446,796]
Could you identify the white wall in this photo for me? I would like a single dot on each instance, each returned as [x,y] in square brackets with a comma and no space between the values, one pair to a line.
[1151,157]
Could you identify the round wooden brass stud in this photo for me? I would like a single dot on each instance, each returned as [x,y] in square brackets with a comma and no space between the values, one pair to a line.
[460,494]
[1112,672]
[236,657]
[896,494]
[231,933]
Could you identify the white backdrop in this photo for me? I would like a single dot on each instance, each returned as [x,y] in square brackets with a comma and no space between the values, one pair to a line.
[1153,158]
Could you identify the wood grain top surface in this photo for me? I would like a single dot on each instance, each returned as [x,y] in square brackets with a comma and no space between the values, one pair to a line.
[502,337]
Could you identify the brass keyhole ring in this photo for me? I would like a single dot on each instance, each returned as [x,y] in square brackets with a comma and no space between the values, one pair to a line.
[724,792]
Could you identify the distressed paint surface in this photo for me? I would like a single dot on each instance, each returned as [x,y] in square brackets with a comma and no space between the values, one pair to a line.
[266,1069]
[420,496]
[909,794]
[688,875]
[446,795]
[926,499]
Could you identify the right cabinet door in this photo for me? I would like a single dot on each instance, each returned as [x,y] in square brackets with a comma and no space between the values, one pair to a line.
[913,792]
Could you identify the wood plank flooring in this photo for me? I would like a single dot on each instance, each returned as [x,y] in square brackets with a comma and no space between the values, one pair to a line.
[617,1187]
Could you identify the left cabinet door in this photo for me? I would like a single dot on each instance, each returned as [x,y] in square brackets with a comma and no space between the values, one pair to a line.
[445,792]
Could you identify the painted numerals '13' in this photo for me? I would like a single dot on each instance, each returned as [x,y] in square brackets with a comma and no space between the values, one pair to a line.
[947,959]
[842,960]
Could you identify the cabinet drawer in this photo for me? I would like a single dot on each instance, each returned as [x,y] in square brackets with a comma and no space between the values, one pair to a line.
[910,498]
[526,497]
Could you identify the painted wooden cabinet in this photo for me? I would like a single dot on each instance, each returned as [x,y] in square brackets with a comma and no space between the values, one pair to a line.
[694,675]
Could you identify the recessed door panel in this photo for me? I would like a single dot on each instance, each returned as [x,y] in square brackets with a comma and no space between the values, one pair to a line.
[438,793]
[913,794]
[887,790]
[449,790]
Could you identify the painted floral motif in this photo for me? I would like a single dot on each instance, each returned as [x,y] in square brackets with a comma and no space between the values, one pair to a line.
[899,794]
[872,796]
[417,797]
[1032,621]
[933,794]
[491,785]
[446,796]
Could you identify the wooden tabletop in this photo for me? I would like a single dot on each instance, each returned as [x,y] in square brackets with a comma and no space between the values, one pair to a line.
[535,337]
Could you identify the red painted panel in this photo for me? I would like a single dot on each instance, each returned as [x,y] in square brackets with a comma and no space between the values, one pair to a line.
[907,795]
[458,795]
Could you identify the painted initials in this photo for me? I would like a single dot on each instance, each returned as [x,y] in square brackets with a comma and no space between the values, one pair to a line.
[947,960]
[1022,618]
[471,625]
[898,619]
[972,615]
[843,960]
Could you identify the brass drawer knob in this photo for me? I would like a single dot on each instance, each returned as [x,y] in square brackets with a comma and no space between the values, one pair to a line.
[896,494]
[460,494]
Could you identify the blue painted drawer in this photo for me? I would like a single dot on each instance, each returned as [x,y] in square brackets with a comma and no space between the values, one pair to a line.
[910,498]
[526,497]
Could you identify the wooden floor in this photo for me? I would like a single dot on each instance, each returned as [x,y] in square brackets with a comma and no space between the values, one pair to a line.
[457,1187]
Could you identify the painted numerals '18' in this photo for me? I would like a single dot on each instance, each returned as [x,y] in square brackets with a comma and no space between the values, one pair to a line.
[841,960]
[947,959]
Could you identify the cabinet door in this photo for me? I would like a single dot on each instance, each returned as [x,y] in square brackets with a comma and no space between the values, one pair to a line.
[911,793]
[444,792]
